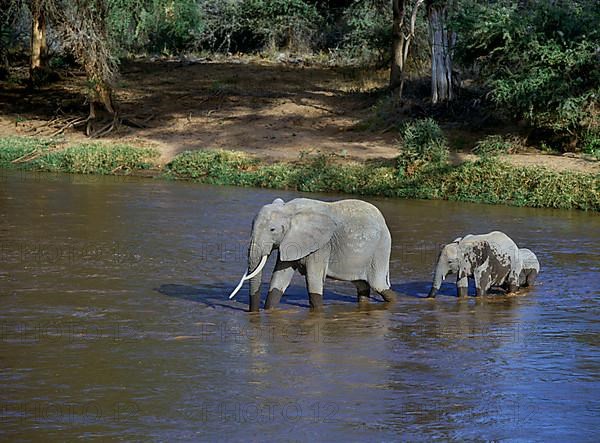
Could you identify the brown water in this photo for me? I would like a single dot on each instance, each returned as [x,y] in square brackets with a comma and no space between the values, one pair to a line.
[115,324]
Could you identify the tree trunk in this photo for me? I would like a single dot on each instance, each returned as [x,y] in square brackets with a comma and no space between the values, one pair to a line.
[39,48]
[397,68]
[442,88]
[402,37]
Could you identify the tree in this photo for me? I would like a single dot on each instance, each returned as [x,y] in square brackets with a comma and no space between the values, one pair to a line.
[82,26]
[39,46]
[403,34]
[6,20]
[442,41]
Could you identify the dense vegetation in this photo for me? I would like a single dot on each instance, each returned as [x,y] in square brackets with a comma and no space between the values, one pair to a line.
[536,60]
[487,180]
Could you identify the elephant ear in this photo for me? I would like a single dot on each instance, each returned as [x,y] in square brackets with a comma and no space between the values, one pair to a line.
[308,232]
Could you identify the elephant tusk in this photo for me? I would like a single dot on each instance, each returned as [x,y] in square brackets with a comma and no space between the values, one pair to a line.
[258,268]
[248,277]
[238,287]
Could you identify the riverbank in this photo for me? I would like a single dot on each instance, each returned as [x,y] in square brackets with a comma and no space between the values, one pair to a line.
[485,180]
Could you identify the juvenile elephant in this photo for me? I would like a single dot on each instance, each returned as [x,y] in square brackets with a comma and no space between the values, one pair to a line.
[491,259]
[344,240]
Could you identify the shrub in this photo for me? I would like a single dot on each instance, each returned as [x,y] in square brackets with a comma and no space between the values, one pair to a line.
[215,167]
[423,143]
[290,24]
[494,145]
[591,143]
[367,37]
[156,25]
[541,65]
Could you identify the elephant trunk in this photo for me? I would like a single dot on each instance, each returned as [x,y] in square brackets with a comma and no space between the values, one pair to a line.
[257,258]
[441,271]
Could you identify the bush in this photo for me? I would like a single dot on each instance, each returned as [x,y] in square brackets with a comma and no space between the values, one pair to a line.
[494,145]
[483,181]
[290,24]
[541,65]
[423,143]
[368,31]
[217,25]
[591,143]
[156,25]
[214,167]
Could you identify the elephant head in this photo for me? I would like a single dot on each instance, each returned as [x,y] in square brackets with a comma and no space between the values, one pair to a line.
[296,230]
[447,264]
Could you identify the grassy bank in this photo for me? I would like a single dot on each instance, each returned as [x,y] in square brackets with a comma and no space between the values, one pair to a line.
[91,158]
[484,181]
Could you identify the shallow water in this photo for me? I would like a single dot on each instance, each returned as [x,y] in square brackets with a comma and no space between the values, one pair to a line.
[115,323]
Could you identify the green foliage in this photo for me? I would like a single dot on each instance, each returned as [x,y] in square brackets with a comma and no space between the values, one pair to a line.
[494,145]
[423,142]
[541,65]
[291,24]
[44,155]
[591,143]
[484,181]
[156,25]
[368,34]
[218,25]
[215,166]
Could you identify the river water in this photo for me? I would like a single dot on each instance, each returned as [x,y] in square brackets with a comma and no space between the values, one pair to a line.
[115,324]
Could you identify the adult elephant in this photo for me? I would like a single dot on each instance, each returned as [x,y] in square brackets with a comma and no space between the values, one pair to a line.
[491,259]
[344,240]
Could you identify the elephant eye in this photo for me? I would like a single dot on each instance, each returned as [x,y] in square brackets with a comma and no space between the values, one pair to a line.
[272,229]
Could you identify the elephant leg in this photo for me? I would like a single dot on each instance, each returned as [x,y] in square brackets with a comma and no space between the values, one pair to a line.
[389,295]
[531,277]
[513,281]
[378,277]
[255,302]
[363,290]
[483,281]
[282,276]
[316,271]
[383,289]
[462,286]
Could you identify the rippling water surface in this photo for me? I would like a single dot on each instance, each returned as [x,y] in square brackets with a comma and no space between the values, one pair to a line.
[115,323]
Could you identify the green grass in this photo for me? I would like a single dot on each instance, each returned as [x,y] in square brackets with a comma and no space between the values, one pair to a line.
[90,158]
[483,181]
[487,180]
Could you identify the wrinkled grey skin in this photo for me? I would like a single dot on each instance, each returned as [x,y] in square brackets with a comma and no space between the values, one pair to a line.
[491,259]
[345,240]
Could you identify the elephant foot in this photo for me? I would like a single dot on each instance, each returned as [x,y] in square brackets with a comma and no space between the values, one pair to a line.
[432,293]
[479,292]
[363,296]
[462,291]
[389,295]
[254,302]
[363,299]
[316,302]
[273,298]
[512,288]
